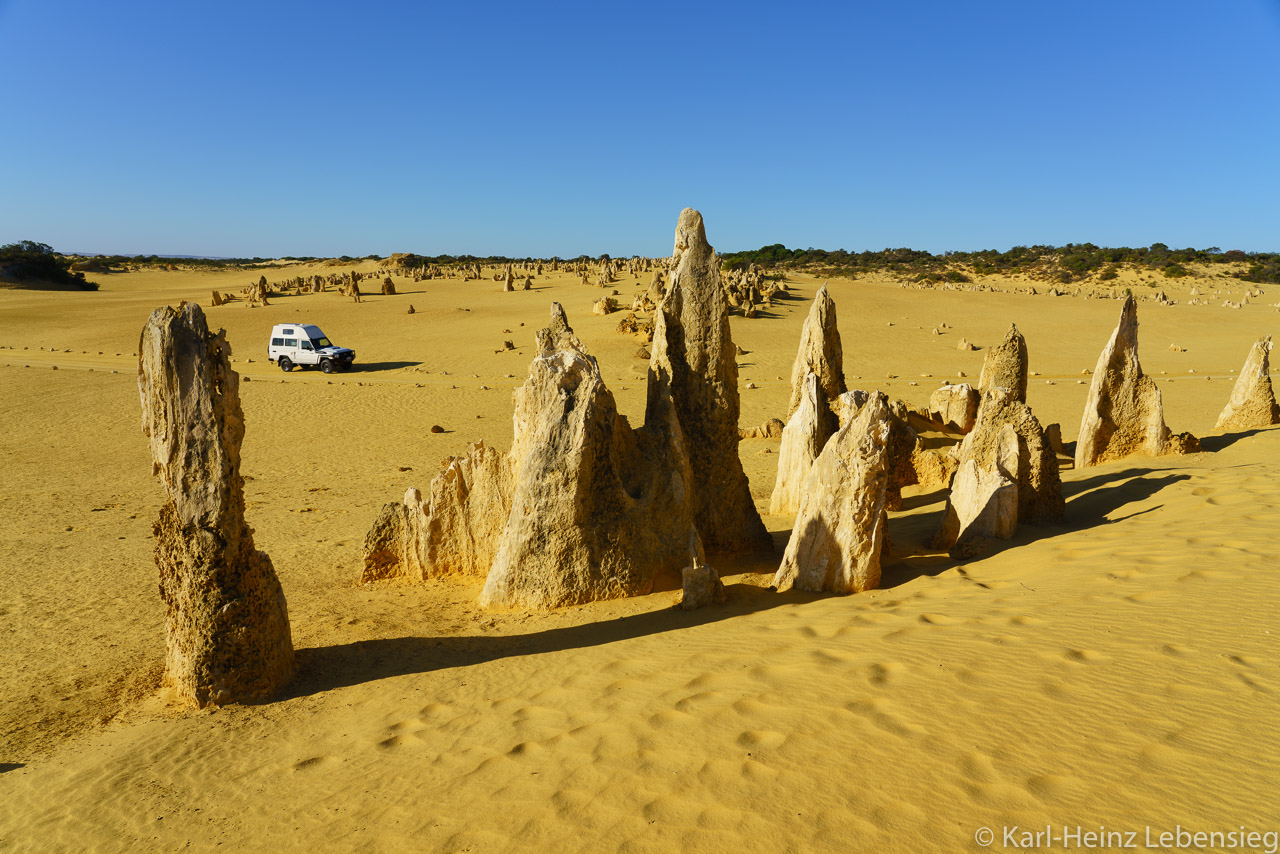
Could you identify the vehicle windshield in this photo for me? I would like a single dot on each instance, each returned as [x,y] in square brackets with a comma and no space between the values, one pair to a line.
[321,342]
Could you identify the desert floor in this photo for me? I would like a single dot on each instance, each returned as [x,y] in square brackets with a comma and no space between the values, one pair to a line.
[1118,670]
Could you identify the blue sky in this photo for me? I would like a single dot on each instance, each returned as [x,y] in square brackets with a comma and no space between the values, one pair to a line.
[326,128]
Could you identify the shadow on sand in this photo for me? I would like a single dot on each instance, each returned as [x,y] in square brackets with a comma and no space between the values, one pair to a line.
[1226,440]
[367,367]
[1089,505]
[327,668]
[6,767]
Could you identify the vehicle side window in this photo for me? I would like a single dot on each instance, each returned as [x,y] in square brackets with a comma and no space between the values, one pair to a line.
[306,345]
[291,342]
[277,342]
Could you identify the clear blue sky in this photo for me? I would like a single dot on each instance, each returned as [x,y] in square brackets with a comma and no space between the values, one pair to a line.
[327,128]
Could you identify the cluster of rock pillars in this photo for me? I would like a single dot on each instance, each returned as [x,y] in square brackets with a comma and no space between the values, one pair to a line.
[586,507]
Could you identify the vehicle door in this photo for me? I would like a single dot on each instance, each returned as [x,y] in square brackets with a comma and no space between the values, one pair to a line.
[306,353]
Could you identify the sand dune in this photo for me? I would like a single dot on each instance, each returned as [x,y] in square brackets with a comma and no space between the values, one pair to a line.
[1117,670]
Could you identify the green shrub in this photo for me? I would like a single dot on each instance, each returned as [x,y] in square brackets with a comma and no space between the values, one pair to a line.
[30,262]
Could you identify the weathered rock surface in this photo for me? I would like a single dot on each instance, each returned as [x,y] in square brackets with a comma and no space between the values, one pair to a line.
[955,406]
[983,505]
[1123,414]
[909,462]
[454,532]
[1253,402]
[1034,467]
[1005,365]
[840,528]
[701,587]
[598,510]
[700,584]
[769,429]
[820,352]
[581,508]
[226,621]
[803,439]
[692,345]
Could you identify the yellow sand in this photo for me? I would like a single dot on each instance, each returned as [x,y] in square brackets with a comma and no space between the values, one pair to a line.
[1118,670]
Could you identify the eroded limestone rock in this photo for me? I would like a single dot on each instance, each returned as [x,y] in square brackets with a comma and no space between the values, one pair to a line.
[907,454]
[1005,365]
[983,505]
[955,406]
[820,352]
[770,428]
[1253,402]
[692,345]
[803,439]
[1123,414]
[598,510]
[226,621]
[700,584]
[454,531]
[840,528]
[1035,470]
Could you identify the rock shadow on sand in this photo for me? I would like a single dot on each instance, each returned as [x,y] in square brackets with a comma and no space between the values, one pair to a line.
[1089,505]
[1212,444]
[327,668]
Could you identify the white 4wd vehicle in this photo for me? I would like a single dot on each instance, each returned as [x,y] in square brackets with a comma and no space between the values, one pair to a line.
[304,344]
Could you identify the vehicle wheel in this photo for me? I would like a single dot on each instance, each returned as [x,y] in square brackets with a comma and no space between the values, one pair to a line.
[326,366]
[285,364]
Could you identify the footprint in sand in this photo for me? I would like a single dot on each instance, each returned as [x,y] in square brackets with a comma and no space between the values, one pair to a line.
[1253,683]
[310,763]
[750,706]
[1156,756]
[978,768]
[830,656]
[765,739]
[1176,650]
[753,770]
[936,619]
[883,672]
[526,750]
[883,715]
[392,742]
[1055,786]
[670,718]
[872,619]
[1083,655]
[1206,575]
[693,701]
[1025,620]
